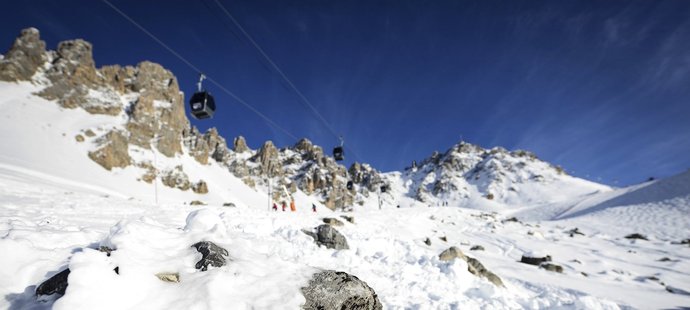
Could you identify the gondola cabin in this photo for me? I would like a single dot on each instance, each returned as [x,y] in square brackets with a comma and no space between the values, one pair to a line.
[202,105]
[338,153]
[349,185]
[384,188]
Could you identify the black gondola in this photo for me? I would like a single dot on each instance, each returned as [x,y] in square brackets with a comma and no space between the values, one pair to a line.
[338,153]
[349,185]
[384,188]
[202,104]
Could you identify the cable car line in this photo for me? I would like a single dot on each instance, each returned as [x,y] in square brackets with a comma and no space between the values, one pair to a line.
[275,66]
[195,68]
[338,151]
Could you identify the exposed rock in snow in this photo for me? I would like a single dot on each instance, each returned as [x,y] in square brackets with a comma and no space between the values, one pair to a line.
[56,284]
[473,265]
[329,237]
[551,267]
[211,255]
[332,221]
[534,258]
[176,178]
[338,290]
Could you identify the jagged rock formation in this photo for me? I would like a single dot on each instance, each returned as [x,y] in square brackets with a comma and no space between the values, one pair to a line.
[25,56]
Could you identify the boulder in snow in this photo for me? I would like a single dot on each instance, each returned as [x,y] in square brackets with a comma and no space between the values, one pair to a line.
[338,290]
[56,284]
[329,237]
[636,236]
[534,259]
[211,254]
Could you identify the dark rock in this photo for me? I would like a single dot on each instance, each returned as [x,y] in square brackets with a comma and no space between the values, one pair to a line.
[329,237]
[427,241]
[333,222]
[56,284]
[535,260]
[512,219]
[664,259]
[229,204]
[444,239]
[477,248]
[636,236]
[338,290]
[350,219]
[574,231]
[105,250]
[211,254]
[551,267]
[197,203]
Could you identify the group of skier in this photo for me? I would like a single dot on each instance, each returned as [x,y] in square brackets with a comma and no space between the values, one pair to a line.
[293,208]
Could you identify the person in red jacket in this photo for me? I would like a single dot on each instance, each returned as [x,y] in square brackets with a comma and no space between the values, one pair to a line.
[284,206]
[275,207]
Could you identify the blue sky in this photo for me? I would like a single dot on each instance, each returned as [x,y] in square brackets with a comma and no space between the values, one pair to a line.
[599,87]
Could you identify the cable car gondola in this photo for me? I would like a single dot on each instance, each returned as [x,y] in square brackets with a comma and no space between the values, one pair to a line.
[338,151]
[384,188]
[349,185]
[202,103]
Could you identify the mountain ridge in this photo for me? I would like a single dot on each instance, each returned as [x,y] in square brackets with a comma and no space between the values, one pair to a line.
[146,112]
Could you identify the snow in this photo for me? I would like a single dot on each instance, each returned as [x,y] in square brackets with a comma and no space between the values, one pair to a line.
[57,208]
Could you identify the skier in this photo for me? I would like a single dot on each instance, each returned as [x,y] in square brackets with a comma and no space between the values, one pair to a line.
[275,207]
[313,207]
[292,206]
[284,205]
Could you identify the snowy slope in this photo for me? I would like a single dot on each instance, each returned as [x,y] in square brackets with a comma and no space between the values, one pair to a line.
[48,226]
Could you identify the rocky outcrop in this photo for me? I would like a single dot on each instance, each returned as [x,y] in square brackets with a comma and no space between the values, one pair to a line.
[211,255]
[338,290]
[239,145]
[176,178]
[203,147]
[113,151]
[24,58]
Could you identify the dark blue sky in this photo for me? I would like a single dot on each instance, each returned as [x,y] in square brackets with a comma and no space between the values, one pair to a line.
[599,87]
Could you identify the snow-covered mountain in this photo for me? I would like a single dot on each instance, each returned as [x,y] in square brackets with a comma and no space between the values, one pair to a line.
[466,172]
[105,158]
